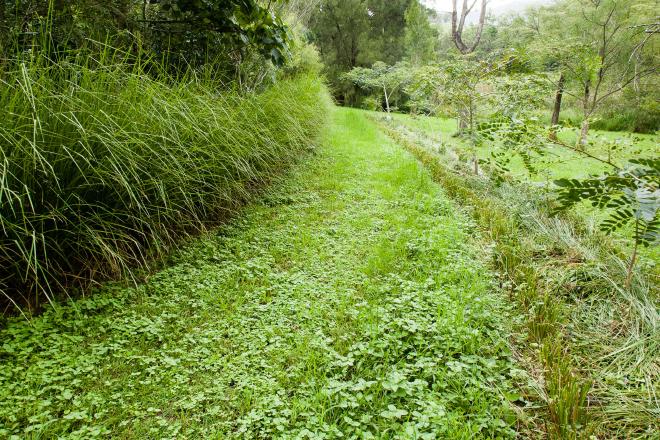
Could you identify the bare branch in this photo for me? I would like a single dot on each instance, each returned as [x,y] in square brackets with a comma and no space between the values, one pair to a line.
[457,25]
[622,85]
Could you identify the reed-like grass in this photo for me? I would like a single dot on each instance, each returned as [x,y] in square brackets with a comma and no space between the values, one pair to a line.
[103,166]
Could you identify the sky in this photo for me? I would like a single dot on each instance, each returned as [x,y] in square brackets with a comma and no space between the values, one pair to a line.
[496,6]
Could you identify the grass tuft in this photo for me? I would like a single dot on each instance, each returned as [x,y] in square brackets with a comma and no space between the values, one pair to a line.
[106,164]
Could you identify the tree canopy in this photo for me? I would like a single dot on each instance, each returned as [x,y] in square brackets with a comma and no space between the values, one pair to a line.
[196,30]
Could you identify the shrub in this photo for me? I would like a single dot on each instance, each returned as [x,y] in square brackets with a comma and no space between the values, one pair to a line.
[643,119]
[371,103]
[103,166]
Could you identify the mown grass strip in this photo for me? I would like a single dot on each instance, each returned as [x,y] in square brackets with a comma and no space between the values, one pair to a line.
[352,301]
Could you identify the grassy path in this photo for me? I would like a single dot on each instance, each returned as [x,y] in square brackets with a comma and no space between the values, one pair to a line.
[351,301]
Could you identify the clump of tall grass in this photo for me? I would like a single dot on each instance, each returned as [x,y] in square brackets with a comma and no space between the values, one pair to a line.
[103,165]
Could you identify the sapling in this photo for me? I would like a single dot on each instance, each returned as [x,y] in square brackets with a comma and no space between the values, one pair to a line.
[381,77]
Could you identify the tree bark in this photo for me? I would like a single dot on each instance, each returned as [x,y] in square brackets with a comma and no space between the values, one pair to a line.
[457,25]
[557,109]
[387,100]
[462,121]
[584,130]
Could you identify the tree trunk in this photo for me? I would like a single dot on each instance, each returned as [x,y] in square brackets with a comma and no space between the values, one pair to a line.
[462,121]
[457,25]
[557,109]
[584,131]
[387,100]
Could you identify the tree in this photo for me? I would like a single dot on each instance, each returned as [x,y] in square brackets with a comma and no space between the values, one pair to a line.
[466,112]
[455,83]
[205,28]
[612,35]
[340,28]
[597,52]
[458,25]
[420,38]
[593,44]
[386,29]
[628,193]
[235,23]
[351,33]
[381,77]
[556,109]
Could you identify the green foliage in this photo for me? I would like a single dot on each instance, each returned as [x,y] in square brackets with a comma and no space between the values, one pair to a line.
[353,33]
[630,195]
[513,130]
[381,78]
[631,114]
[104,165]
[603,53]
[63,24]
[454,87]
[372,103]
[425,91]
[185,32]
[244,22]
[420,38]
[387,25]
[305,59]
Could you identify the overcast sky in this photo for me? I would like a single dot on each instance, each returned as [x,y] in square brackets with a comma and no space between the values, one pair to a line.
[496,6]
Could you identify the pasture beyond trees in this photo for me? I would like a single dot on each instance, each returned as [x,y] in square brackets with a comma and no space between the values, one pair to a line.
[196,243]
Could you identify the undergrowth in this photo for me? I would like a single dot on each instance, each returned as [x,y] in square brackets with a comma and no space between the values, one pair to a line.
[593,344]
[106,163]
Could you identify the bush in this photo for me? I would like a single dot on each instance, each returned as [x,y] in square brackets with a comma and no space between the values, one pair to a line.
[305,59]
[103,166]
[643,119]
[371,103]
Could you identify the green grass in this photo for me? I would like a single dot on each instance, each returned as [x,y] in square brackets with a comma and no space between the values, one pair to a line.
[560,162]
[597,364]
[355,299]
[107,163]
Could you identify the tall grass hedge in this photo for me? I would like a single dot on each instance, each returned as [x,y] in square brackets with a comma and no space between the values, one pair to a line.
[102,166]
